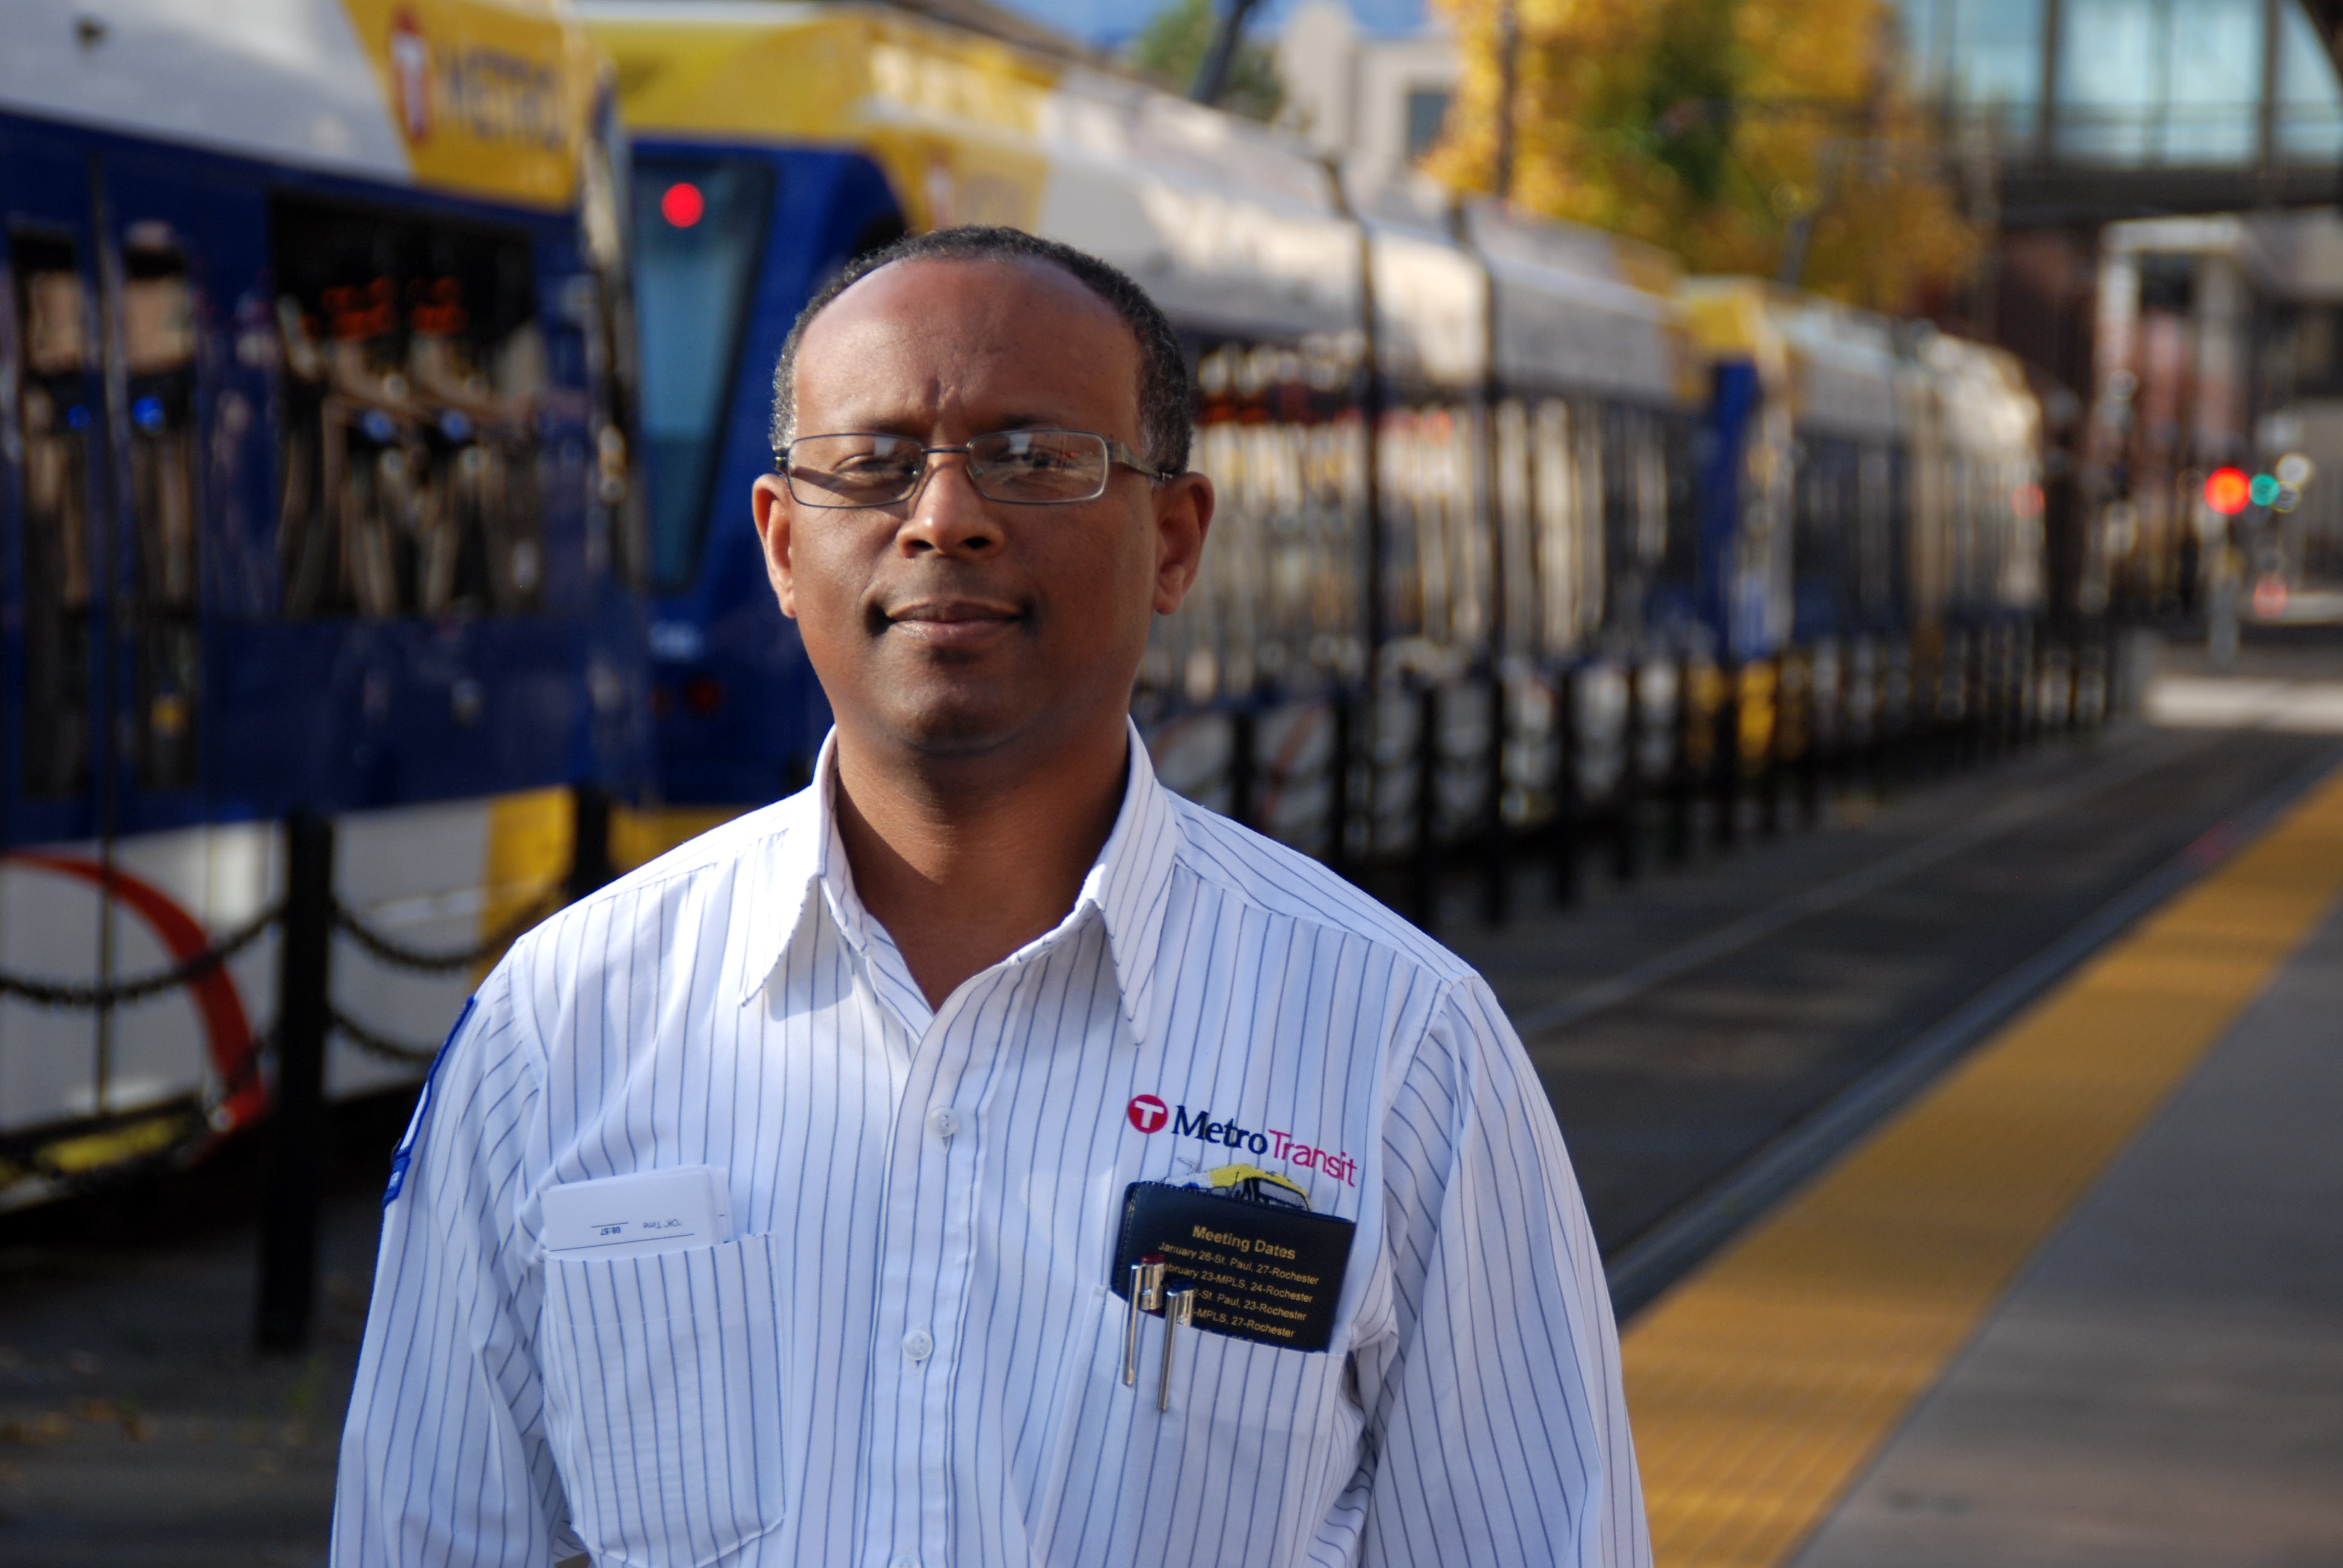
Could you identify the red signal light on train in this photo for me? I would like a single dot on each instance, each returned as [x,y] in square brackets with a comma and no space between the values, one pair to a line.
[2228,491]
[682,205]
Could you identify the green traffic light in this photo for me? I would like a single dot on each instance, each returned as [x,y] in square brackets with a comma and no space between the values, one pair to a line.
[2264,489]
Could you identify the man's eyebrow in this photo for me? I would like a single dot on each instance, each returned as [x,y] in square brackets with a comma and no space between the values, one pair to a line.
[1035,422]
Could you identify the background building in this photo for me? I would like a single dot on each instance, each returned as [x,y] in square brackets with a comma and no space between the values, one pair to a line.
[1370,85]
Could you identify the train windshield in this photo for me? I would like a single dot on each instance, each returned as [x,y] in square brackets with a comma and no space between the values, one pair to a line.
[698,227]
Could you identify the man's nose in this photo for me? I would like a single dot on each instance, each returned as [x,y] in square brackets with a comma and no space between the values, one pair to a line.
[946,514]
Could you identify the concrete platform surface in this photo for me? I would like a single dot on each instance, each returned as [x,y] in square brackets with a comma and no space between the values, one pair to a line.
[2164,1386]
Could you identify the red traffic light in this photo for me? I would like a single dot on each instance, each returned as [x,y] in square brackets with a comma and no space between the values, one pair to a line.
[681,203]
[2228,491]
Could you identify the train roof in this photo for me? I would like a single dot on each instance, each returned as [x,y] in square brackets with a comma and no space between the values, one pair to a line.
[1580,308]
[1847,372]
[1231,225]
[1982,396]
[1842,368]
[1234,228]
[1432,296]
[491,98]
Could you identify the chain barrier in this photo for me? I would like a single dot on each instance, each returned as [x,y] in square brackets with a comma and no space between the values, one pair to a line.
[122,992]
[116,993]
[380,1045]
[400,956]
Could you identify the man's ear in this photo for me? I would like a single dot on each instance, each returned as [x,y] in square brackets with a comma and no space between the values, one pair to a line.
[1184,516]
[771,502]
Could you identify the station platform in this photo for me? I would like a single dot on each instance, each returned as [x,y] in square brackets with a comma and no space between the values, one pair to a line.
[2079,1303]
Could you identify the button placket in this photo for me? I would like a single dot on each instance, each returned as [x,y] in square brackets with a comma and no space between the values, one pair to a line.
[936,1155]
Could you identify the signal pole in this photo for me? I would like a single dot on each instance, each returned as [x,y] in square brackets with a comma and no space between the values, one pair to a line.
[1509,52]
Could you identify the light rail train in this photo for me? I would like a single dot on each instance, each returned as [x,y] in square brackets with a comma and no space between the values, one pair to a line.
[1505,505]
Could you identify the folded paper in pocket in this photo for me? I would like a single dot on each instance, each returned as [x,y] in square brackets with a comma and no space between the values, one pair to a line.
[644,1212]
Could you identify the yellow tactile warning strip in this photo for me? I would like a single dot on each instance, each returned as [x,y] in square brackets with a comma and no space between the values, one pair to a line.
[1760,1387]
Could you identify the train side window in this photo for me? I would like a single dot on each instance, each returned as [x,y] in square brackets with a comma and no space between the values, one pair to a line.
[413,371]
[1680,559]
[1554,487]
[1875,537]
[1589,529]
[158,338]
[56,409]
[1518,579]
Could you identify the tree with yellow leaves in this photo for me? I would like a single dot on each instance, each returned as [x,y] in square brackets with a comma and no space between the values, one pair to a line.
[1736,133]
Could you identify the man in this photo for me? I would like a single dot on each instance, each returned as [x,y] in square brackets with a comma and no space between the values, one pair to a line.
[1081,1178]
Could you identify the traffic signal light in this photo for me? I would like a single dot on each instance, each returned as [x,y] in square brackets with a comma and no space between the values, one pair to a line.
[2228,491]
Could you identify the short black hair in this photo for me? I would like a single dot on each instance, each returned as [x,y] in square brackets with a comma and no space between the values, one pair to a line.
[1165,422]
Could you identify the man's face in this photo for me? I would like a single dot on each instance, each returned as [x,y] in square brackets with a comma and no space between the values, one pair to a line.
[949,624]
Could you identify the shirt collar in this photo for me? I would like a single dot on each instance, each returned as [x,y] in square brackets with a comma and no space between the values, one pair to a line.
[1128,886]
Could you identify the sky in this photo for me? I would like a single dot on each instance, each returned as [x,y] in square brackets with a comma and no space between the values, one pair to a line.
[1110,23]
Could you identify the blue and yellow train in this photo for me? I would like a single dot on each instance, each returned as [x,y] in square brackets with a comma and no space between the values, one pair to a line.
[1475,470]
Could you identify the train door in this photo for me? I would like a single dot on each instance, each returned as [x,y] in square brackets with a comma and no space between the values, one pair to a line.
[58,454]
[149,279]
[59,465]
[107,670]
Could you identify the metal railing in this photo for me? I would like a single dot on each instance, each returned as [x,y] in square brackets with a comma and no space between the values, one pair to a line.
[1637,762]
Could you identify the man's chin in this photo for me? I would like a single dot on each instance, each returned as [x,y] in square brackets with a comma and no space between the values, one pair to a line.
[953,724]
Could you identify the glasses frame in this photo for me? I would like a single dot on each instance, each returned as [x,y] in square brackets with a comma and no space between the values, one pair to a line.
[1118,456]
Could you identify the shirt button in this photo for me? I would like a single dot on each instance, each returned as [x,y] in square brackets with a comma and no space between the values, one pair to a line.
[903,1563]
[944,1120]
[917,1345]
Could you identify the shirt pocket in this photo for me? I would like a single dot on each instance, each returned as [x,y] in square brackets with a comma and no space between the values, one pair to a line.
[662,1378]
[1261,1436]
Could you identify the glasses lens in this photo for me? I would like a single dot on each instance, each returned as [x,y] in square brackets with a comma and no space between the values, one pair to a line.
[1039,466]
[853,470]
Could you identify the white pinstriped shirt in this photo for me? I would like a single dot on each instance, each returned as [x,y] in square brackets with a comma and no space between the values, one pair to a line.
[908,1354]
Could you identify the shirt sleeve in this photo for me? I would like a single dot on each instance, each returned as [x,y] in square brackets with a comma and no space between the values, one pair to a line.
[1497,1426]
[443,1458]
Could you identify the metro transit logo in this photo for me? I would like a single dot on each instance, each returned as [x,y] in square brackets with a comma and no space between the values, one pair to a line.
[1148,1113]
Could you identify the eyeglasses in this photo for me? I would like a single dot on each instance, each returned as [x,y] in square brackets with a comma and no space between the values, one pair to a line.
[1021,467]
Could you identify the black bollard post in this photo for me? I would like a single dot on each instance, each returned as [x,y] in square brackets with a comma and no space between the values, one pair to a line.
[1338,792]
[1565,786]
[288,1226]
[590,866]
[1680,784]
[1627,813]
[1244,766]
[1727,761]
[1423,864]
[1496,840]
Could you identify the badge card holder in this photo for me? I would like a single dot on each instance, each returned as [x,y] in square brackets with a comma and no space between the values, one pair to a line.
[1227,1265]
